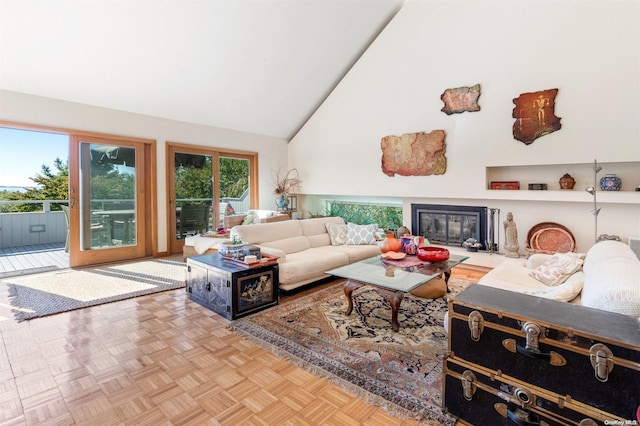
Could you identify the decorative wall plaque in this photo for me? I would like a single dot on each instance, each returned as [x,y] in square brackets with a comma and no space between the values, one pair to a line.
[534,114]
[461,99]
[414,154]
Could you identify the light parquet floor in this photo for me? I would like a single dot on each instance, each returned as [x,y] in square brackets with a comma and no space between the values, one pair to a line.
[159,360]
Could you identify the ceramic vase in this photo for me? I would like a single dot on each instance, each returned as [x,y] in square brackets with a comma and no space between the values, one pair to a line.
[567,181]
[610,183]
[390,243]
[282,202]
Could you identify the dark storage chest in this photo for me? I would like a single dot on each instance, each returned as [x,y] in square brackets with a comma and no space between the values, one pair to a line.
[578,362]
[229,289]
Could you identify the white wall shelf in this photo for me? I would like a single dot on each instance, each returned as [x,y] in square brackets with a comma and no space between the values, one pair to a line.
[629,173]
[577,195]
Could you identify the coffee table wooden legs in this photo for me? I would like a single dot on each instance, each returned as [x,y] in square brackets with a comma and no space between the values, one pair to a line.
[393,297]
[349,286]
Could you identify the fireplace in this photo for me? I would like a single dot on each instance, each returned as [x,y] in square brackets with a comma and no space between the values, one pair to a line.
[449,225]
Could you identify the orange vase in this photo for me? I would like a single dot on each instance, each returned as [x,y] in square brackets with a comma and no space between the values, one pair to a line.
[390,243]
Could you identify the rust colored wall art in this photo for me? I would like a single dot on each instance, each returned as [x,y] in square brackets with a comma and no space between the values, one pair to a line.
[461,99]
[535,116]
[414,154]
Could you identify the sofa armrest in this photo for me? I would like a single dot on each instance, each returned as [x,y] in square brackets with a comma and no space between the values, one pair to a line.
[282,256]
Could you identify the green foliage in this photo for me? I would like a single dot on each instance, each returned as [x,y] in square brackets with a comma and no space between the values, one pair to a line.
[386,217]
[192,182]
[51,186]
[234,177]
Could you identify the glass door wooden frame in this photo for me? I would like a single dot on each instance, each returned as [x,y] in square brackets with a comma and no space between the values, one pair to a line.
[149,183]
[171,148]
[143,246]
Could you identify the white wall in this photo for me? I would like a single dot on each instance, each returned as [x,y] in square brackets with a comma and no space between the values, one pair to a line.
[589,50]
[272,152]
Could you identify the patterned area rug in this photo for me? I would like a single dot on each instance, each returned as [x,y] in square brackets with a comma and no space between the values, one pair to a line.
[39,295]
[401,372]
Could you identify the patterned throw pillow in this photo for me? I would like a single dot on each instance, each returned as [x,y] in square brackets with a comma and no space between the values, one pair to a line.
[337,233]
[557,269]
[361,234]
[250,218]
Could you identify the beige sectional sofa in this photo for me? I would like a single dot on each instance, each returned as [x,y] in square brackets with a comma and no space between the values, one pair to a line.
[304,248]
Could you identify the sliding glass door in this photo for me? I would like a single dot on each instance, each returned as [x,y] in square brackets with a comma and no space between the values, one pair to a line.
[106,200]
[204,185]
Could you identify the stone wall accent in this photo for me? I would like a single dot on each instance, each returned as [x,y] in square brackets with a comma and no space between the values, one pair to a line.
[461,99]
[414,154]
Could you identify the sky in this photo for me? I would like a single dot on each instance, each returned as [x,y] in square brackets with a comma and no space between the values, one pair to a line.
[23,152]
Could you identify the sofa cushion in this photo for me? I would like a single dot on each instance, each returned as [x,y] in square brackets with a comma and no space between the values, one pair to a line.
[612,278]
[309,265]
[317,225]
[361,234]
[257,234]
[289,245]
[319,240]
[337,233]
[557,268]
[354,253]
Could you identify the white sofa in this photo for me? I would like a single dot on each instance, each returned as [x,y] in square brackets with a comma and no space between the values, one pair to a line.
[608,280]
[304,248]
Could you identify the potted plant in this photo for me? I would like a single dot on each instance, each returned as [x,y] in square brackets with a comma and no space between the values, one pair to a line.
[232,248]
[282,186]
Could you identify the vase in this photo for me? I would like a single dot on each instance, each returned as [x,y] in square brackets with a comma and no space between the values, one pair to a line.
[390,243]
[610,183]
[282,202]
[567,181]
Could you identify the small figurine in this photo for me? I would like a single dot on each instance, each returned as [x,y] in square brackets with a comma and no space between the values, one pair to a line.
[511,245]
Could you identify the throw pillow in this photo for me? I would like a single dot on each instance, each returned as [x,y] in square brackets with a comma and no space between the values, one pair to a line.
[337,233]
[249,219]
[557,269]
[361,234]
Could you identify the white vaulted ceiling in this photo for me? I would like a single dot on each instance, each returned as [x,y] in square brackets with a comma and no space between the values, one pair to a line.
[260,66]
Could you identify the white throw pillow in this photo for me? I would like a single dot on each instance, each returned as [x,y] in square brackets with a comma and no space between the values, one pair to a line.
[361,234]
[557,269]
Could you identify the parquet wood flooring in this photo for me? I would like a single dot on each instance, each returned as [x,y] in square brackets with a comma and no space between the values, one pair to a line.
[160,360]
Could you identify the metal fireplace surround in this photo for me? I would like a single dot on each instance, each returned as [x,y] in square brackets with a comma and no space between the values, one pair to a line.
[449,225]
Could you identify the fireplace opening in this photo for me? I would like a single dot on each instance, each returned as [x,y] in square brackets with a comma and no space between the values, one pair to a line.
[448,224]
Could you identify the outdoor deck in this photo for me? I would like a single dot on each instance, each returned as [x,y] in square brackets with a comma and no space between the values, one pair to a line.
[31,259]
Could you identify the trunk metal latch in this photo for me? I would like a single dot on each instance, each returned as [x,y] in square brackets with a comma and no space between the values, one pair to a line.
[601,361]
[476,325]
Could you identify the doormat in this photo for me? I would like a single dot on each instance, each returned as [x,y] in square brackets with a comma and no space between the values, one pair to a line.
[43,294]
[401,372]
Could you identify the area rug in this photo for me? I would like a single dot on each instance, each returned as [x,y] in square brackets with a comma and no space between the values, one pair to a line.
[39,295]
[402,372]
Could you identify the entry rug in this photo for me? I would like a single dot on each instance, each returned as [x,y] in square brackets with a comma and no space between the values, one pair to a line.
[39,295]
[402,372]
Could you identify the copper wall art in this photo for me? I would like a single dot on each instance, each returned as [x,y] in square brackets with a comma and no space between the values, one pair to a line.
[461,99]
[414,154]
[534,114]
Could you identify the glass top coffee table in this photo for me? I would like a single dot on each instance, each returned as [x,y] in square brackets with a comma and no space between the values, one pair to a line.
[392,279]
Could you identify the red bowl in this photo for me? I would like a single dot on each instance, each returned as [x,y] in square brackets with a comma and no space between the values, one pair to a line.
[433,254]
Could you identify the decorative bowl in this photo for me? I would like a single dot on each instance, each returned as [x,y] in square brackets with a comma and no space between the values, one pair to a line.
[433,254]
